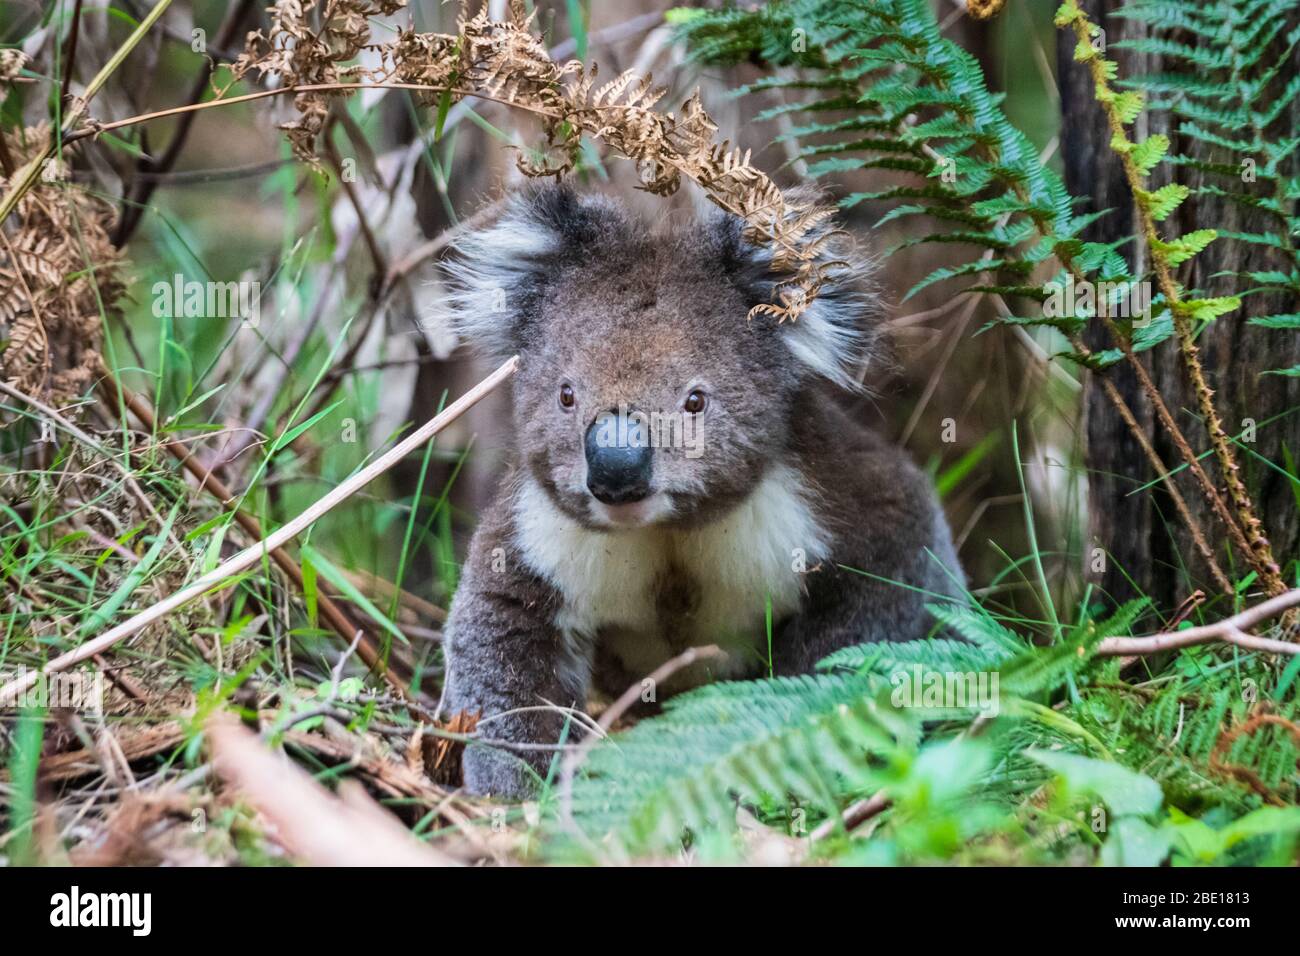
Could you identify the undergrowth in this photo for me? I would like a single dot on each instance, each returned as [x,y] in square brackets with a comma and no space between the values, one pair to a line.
[1072,756]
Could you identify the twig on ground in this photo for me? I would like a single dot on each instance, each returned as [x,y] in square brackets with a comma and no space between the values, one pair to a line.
[853,816]
[316,826]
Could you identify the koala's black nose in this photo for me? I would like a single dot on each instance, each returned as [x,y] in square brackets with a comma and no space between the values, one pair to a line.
[619,458]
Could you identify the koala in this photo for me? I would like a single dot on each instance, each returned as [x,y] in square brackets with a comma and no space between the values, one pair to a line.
[680,472]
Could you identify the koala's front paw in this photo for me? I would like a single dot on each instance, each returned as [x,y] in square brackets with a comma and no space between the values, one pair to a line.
[497,773]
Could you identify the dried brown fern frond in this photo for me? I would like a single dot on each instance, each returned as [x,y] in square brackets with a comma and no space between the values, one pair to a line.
[58,269]
[504,61]
[312,43]
[984,9]
[11,62]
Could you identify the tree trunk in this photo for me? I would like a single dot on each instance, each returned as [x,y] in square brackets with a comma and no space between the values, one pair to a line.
[1149,551]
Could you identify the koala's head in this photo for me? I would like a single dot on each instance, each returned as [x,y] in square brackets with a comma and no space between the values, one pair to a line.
[644,394]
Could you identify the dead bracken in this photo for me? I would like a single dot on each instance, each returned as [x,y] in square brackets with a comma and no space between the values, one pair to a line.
[505,62]
[50,301]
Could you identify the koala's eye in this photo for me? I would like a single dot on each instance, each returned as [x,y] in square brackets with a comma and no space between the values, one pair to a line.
[695,402]
[566,396]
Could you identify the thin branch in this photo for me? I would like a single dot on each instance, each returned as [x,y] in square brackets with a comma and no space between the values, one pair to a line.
[142,187]
[70,55]
[433,247]
[1231,630]
[94,128]
[1176,496]
[367,234]
[26,178]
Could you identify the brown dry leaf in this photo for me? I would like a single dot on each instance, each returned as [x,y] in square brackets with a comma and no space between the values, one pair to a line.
[308,55]
[128,835]
[318,827]
[442,756]
[504,61]
[58,268]
[11,62]
[984,9]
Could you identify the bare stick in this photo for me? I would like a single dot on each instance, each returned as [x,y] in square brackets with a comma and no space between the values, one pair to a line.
[1231,630]
[221,575]
[316,826]
[853,816]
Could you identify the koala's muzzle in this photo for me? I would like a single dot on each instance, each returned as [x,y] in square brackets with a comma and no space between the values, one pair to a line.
[619,458]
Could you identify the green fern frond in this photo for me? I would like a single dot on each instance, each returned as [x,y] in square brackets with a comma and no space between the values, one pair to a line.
[880,87]
[802,739]
[936,654]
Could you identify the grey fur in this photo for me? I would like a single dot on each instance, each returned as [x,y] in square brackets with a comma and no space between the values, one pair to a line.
[589,297]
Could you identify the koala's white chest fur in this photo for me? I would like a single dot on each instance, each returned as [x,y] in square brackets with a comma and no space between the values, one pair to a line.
[648,593]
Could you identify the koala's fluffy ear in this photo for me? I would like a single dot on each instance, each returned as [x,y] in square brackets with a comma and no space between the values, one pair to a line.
[497,274]
[839,333]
